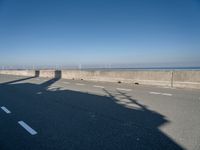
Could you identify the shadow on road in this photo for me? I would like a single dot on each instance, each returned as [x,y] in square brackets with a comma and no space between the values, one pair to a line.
[19,80]
[67,119]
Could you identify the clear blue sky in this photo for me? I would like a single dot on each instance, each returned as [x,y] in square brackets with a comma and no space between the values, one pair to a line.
[100,32]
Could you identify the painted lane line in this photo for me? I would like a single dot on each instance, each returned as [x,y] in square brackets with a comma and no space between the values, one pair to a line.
[53,87]
[97,86]
[166,94]
[66,82]
[121,89]
[156,93]
[27,128]
[39,93]
[5,109]
[79,84]
[167,87]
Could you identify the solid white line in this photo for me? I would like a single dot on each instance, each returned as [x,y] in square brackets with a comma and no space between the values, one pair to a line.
[5,109]
[79,84]
[124,89]
[27,128]
[97,86]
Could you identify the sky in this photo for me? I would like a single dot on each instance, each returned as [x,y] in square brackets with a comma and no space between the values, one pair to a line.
[98,33]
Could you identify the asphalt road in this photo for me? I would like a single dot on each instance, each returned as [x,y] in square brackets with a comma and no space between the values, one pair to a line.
[59,114]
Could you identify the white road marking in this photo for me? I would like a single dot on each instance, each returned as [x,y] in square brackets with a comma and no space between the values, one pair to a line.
[97,86]
[66,82]
[167,87]
[157,93]
[5,109]
[27,128]
[166,94]
[55,87]
[124,89]
[79,84]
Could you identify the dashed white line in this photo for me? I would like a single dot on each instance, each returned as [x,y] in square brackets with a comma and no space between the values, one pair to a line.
[66,82]
[53,87]
[167,87]
[27,128]
[79,84]
[39,93]
[124,89]
[157,93]
[97,86]
[5,109]
[166,94]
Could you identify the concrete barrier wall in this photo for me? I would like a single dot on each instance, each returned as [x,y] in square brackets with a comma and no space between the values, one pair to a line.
[186,79]
[47,73]
[18,72]
[142,77]
[183,79]
[50,73]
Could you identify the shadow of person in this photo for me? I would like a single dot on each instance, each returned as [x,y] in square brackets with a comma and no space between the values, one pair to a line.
[67,119]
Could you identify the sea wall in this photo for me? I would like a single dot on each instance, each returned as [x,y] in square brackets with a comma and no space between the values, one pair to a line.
[18,72]
[182,79]
[186,79]
[47,73]
[141,77]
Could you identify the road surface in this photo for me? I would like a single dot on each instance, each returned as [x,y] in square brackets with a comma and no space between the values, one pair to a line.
[50,114]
